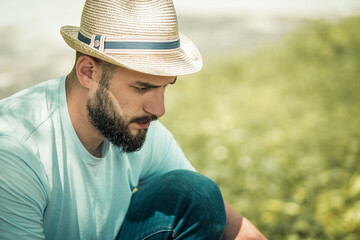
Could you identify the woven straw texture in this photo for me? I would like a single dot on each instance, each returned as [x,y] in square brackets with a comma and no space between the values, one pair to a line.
[136,20]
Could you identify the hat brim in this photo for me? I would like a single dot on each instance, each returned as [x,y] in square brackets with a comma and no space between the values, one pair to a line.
[181,61]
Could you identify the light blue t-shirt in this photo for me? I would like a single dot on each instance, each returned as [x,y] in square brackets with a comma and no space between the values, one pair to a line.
[51,187]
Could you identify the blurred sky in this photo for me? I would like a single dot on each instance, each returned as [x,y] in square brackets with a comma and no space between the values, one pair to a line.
[38,15]
[32,47]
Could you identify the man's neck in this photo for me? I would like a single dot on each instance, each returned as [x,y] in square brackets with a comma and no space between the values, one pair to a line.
[76,97]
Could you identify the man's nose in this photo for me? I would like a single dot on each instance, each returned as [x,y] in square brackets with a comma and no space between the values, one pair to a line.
[155,104]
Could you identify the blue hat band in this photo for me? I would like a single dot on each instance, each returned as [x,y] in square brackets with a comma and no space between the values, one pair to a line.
[99,44]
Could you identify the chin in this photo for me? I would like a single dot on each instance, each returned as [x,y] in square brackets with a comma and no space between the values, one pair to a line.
[134,131]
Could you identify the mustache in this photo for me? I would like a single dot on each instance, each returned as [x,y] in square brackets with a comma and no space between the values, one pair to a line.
[144,119]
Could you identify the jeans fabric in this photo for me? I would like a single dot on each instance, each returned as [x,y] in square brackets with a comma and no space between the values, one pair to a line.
[177,205]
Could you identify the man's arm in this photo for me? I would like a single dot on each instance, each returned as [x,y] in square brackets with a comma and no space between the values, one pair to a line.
[238,227]
[22,196]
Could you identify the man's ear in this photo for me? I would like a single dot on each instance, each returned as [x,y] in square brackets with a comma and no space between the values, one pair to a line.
[86,69]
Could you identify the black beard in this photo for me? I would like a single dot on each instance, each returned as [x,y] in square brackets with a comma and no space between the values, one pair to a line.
[104,117]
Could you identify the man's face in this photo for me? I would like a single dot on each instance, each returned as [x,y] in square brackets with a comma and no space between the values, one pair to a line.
[124,104]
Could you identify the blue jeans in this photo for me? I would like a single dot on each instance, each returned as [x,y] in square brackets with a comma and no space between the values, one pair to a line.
[177,205]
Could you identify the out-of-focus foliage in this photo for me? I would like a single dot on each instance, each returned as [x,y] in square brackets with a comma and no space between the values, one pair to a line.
[279,131]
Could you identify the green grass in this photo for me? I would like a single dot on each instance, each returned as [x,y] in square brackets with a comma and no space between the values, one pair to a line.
[279,131]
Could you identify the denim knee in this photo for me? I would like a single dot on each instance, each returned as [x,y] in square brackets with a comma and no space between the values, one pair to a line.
[198,192]
[179,204]
[191,184]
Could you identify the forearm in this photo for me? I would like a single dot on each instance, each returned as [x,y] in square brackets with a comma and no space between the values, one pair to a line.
[239,228]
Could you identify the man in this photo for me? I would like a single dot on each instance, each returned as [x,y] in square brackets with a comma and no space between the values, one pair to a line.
[82,156]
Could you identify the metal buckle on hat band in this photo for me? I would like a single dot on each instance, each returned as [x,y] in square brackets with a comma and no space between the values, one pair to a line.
[96,42]
[99,43]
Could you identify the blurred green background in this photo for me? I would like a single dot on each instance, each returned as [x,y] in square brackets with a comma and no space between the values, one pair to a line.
[279,130]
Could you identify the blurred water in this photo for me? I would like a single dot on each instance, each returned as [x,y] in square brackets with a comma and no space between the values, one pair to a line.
[32,49]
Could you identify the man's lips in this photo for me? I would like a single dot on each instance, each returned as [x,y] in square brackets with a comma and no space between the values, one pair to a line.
[144,125]
[144,122]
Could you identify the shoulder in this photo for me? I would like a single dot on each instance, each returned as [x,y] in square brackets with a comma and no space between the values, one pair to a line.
[160,153]
[21,113]
[160,144]
[157,138]
[158,131]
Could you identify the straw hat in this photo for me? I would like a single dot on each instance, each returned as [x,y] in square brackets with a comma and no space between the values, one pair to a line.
[141,35]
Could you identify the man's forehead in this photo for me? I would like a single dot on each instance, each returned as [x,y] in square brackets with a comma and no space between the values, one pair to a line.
[140,77]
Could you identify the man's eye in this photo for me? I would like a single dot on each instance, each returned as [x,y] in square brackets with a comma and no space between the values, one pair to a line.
[141,89]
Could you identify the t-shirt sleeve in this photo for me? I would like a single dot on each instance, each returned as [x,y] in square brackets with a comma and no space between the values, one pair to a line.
[163,154]
[23,197]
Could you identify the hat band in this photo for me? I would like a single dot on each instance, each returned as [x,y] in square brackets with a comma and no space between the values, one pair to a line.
[98,42]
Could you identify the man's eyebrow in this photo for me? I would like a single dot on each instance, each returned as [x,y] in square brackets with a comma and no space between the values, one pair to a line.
[149,85]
